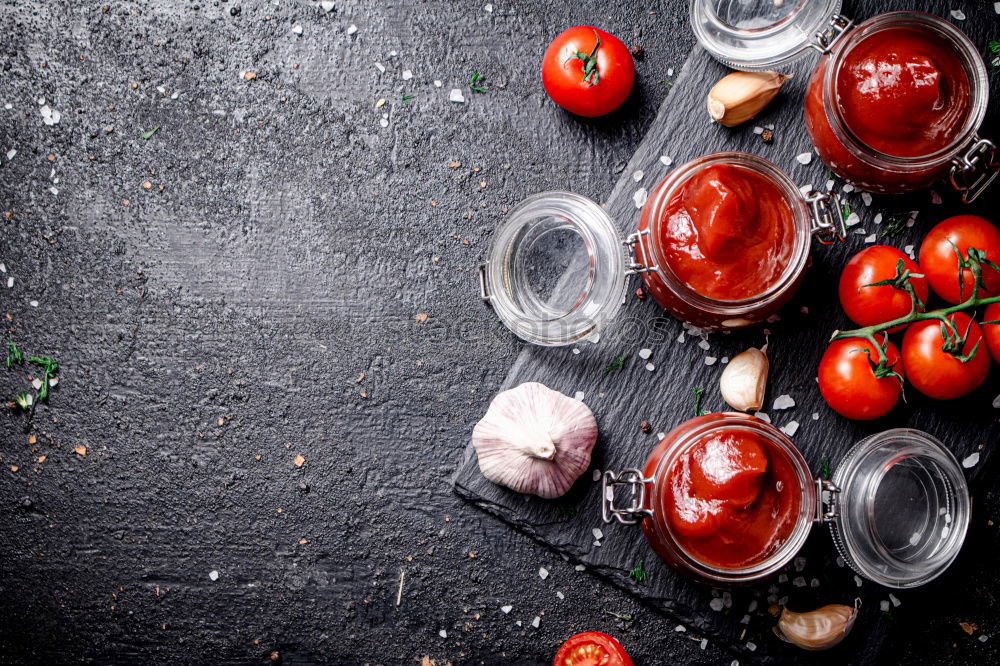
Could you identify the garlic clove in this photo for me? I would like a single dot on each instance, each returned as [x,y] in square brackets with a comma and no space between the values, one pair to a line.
[744,381]
[820,629]
[535,440]
[740,96]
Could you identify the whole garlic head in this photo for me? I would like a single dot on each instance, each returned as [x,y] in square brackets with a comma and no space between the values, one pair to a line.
[535,440]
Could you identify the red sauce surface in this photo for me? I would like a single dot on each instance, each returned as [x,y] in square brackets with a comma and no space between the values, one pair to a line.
[728,233]
[904,92]
[732,499]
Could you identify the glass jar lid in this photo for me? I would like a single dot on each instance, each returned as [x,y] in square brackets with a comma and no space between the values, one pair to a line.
[902,509]
[556,268]
[762,34]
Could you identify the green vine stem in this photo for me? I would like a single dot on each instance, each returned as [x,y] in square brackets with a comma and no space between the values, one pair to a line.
[974,262]
[591,73]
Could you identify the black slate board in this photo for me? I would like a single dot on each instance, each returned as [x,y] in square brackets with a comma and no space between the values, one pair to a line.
[622,399]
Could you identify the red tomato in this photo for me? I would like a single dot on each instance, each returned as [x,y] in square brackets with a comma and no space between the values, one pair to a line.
[940,262]
[592,648]
[867,305]
[587,71]
[935,372]
[848,381]
[992,331]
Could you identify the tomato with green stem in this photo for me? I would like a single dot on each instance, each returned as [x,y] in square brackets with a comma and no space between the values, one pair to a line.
[861,378]
[592,648]
[588,71]
[944,358]
[881,283]
[944,257]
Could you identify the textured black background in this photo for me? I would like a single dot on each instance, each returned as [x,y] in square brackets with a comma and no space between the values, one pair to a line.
[292,246]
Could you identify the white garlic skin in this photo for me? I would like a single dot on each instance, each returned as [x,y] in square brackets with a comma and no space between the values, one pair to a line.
[744,380]
[820,629]
[740,96]
[535,440]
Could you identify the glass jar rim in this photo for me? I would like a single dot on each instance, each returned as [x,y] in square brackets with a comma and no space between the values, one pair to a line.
[801,220]
[688,434]
[971,60]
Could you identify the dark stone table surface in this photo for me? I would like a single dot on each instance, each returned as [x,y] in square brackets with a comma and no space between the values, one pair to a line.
[271,350]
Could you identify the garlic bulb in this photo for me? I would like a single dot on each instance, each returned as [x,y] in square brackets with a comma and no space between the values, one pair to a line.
[740,96]
[744,380]
[820,629]
[535,440]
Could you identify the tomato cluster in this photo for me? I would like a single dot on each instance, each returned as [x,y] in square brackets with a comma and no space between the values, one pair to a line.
[945,353]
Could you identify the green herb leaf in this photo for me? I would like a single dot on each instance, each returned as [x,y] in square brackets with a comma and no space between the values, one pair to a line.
[698,391]
[845,210]
[617,363]
[50,368]
[620,616]
[149,135]
[824,470]
[407,98]
[638,574]
[476,83]
[14,355]
[23,400]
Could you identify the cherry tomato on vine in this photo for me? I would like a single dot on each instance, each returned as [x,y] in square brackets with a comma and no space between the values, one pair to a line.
[592,648]
[991,331]
[945,364]
[939,257]
[872,287]
[856,382]
[587,71]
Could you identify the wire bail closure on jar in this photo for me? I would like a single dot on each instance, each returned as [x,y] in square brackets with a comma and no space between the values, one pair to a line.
[975,169]
[828,224]
[635,267]
[827,507]
[636,510]
[824,40]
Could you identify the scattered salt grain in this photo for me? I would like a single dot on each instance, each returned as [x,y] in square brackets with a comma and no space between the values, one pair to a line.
[352,29]
[3,267]
[840,562]
[645,353]
[971,461]
[704,643]
[935,198]
[640,197]
[650,367]
[438,84]
[297,29]
[799,581]
[637,176]
[576,350]
[751,646]
[50,116]
[384,121]
[725,359]
[580,567]
[666,161]
[800,564]
[857,580]
[867,198]
[710,360]
[870,238]
[909,250]
[815,416]
[878,218]
[598,534]
[327,5]
[716,604]
[661,435]
[680,629]
[763,416]
[596,475]
[213,574]
[958,14]
[814,582]
[518,623]
[442,633]
[380,67]
[488,9]
[543,573]
[758,130]
[579,395]
[10,285]
[804,158]
[36,384]
[680,338]
[506,609]
[670,71]
[10,154]
[829,185]
[847,188]
[852,219]
[703,344]
[883,606]
[783,401]
[536,622]
[806,190]
[894,599]
[456,96]
[54,190]
[407,75]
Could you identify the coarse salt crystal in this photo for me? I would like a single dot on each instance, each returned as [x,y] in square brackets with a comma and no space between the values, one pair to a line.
[560,595]
[10,285]
[716,604]
[996,7]
[36,384]
[871,238]
[297,29]
[53,381]
[536,622]
[703,344]
[3,267]
[380,67]
[996,400]
[725,359]
[10,154]
[783,401]
[804,158]
[576,350]
[680,338]
[884,605]
[596,475]
[661,435]
[763,416]
[852,219]
[867,198]
[456,96]
[806,190]
[894,599]
[710,360]
[670,71]
[637,176]
[857,580]
[598,534]
[384,122]
[213,574]
[878,218]
[799,581]
[438,84]
[958,14]
[579,395]
[488,8]
[650,367]
[758,130]
[971,461]
[909,250]
[935,198]
[680,629]
[352,29]
[814,582]
[666,161]
[829,185]
[751,646]
[704,643]
[543,573]
[580,567]
[407,75]
[443,633]
[506,609]
[640,197]
[815,416]
[800,564]
[327,5]
[645,353]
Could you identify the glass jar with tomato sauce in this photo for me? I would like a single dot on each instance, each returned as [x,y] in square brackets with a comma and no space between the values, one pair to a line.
[894,104]
[728,499]
[722,242]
